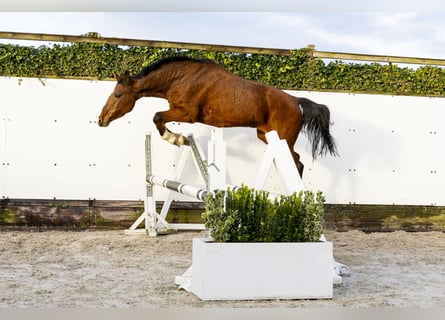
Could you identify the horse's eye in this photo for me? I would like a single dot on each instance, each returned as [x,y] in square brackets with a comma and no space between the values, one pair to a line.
[118,95]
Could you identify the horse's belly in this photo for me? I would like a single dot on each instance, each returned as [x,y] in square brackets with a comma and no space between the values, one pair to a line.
[229,117]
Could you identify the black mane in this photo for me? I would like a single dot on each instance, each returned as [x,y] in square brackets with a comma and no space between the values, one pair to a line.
[159,63]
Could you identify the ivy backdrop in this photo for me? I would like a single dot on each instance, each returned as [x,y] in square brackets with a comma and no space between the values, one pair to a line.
[299,71]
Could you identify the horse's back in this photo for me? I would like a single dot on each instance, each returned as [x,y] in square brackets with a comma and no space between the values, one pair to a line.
[220,98]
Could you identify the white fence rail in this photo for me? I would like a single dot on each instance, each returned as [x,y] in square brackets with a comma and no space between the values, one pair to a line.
[391,148]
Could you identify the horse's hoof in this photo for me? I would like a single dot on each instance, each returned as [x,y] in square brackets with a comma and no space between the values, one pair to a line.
[186,141]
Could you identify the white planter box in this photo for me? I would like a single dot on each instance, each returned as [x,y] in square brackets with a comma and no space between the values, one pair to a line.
[246,271]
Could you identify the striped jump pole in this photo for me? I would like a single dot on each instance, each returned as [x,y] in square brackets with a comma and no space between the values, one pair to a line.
[183,188]
[198,193]
[188,190]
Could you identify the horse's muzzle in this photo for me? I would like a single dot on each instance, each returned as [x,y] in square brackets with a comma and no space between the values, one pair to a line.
[102,123]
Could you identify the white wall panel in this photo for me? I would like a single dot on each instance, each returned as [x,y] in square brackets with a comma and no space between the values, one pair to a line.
[50,146]
[390,150]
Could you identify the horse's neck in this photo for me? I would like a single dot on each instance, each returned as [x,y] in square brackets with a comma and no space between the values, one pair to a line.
[148,87]
[156,84]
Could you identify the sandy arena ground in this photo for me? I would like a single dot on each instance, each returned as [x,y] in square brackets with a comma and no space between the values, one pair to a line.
[111,269]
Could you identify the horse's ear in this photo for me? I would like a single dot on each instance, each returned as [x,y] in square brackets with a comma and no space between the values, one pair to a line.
[126,77]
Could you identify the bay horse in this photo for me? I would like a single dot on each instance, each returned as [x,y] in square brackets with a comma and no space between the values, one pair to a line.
[200,90]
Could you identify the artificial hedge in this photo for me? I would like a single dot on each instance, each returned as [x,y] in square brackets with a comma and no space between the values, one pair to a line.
[248,215]
[300,71]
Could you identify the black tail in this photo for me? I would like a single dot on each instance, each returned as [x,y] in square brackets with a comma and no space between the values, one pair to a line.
[316,121]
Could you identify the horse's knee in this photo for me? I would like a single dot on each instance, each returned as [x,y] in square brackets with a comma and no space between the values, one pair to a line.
[159,122]
[157,118]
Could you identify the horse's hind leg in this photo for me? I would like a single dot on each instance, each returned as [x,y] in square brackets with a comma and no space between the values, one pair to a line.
[290,142]
[295,156]
[300,167]
[298,163]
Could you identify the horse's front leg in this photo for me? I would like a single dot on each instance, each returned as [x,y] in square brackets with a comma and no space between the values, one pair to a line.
[161,118]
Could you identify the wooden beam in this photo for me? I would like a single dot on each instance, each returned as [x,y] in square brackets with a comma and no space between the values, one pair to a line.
[377,58]
[92,38]
[103,214]
[96,38]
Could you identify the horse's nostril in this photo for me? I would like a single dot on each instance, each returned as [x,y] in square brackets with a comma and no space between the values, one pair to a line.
[101,123]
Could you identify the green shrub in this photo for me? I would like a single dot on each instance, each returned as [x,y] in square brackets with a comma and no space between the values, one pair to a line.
[248,215]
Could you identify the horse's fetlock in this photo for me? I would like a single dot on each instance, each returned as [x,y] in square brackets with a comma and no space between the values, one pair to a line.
[179,140]
[170,137]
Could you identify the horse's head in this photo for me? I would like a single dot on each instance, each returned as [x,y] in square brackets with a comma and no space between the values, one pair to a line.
[120,101]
